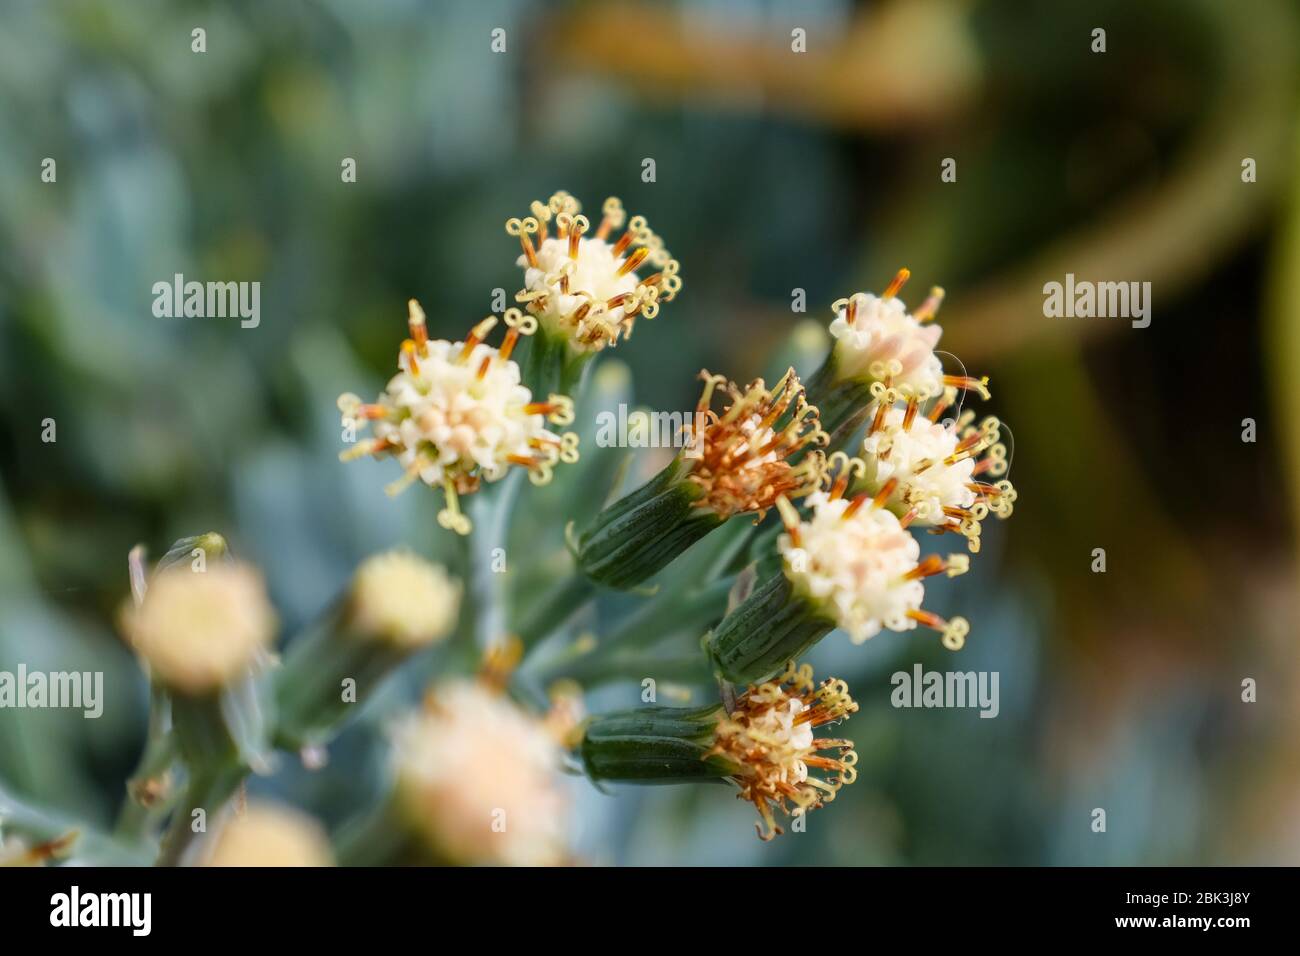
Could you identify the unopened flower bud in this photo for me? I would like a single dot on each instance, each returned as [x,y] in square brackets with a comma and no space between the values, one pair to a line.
[738,461]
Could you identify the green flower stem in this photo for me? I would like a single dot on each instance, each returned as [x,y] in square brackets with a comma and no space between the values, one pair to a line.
[544,365]
[485,598]
[202,733]
[553,366]
[136,816]
[217,736]
[208,790]
[770,627]
[555,609]
[602,669]
[654,745]
[159,754]
[666,613]
[573,377]
[310,706]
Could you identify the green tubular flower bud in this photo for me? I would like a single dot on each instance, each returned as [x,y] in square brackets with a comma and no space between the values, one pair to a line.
[397,605]
[740,461]
[655,745]
[641,533]
[773,625]
[768,745]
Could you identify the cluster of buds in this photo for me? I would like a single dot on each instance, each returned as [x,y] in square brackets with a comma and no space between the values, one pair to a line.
[848,557]
[582,285]
[203,627]
[457,414]
[765,744]
[760,449]
[477,777]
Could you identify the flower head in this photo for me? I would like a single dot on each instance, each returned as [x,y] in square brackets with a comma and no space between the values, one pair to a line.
[858,562]
[456,414]
[877,339]
[269,835]
[742,457]
[936,469]
[769,737]
[201,630]
[579,283]
[478,778]
[400,598]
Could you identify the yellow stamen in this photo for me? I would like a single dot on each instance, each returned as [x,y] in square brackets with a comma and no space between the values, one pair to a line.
[634,260]
[475,337]
[930,307]
[416,323]
[409,349]
[899,280]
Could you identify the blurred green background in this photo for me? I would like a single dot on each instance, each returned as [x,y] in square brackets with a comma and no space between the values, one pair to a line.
[775,171]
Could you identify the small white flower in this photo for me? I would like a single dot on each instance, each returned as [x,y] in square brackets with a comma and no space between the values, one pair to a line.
[915,454]
[857,562]
[269,835]
[936,471]
[479,779]
[401,598]
[200,631]
[769,737]
[859,565]
[593,277]
[457,414]
[877,339]
[583,285]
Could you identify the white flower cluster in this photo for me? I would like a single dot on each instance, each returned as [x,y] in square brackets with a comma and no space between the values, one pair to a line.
[854,556]
[858,563]
[877,338]
[915,455]
[457,414]
[581,284]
